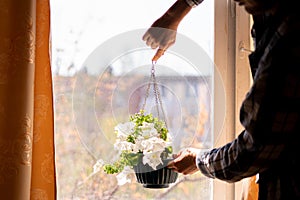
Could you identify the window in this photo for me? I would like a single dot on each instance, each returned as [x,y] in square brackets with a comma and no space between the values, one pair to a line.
[100,65]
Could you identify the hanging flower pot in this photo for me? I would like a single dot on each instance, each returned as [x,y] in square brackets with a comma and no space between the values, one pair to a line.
[144,145]
[159,178]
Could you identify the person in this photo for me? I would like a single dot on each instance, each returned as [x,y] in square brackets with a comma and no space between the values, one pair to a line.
[270,113]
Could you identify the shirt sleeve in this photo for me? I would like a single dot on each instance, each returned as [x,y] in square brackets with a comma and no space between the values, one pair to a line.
[193,3]
[232,162]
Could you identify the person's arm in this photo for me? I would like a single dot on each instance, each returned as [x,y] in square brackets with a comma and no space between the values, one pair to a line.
[230,162]
[162,33]
[254,150]
[233,161]
[269,115]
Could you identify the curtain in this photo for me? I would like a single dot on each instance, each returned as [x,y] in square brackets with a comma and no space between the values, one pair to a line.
[249,188]
[27,167]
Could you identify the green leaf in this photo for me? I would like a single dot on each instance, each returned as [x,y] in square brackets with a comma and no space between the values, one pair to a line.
[112,168]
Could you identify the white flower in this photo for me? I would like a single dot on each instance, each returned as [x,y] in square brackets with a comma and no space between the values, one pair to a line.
[138,146]
[152,159]
[153,145]
[124,130]
[126,146]
[98,165]
[122,177]
[148,130]
[138,136]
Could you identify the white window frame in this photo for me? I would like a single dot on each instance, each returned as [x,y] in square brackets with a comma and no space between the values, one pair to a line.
[232,36]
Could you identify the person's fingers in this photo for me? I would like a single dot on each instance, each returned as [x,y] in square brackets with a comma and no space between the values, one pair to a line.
[157,55]
[146,36]
[184,162]
[154,33]
[171,165]
[174,163]
[148,41]
[154,45]
[177,155]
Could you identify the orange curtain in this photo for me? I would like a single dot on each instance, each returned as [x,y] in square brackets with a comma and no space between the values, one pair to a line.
[249,188]
[27,169]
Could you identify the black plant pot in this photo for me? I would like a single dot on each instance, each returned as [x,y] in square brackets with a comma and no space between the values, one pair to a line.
[150,178]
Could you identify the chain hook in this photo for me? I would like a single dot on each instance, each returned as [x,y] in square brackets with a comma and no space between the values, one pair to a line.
[158,101]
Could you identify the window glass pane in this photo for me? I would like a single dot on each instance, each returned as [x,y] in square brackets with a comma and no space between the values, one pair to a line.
[100,74]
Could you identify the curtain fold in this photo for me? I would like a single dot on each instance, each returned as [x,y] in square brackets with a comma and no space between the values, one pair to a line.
[27,167]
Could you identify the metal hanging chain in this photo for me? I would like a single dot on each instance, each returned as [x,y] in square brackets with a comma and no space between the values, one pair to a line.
[147,93]
[158,101]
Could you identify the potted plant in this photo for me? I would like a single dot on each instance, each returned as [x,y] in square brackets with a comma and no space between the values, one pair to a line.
[144,147]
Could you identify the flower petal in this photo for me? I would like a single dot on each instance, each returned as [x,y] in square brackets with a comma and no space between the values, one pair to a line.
[123,177]
[152,159]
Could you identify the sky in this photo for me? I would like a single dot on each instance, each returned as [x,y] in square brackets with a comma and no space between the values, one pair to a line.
[78,27]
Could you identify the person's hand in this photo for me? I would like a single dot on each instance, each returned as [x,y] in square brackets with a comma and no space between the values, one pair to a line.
[185,161]
[162,33]
[161,38]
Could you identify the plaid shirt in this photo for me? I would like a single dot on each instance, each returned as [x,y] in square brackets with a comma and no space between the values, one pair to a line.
[193,3]
[270,115]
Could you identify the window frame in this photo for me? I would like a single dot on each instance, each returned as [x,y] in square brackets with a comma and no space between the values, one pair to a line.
[232,36]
